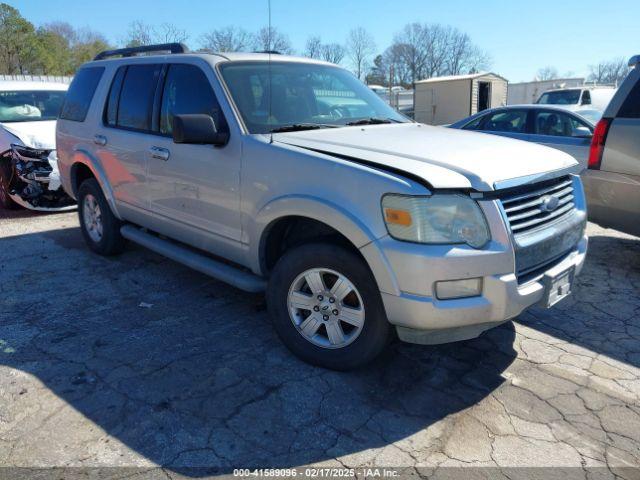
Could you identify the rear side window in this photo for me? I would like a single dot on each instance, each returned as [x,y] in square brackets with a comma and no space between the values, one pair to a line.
[631,106]
[136,97]
[187,90]
[559,124]
[80,94]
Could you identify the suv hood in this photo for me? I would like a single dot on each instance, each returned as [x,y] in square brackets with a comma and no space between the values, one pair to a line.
[443,157]
[41,134]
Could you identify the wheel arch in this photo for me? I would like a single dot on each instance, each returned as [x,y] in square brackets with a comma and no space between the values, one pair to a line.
[331,223]
[83,166]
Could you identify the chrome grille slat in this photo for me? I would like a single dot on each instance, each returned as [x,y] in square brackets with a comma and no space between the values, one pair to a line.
[537,221]
[532,212]
[541,236]
[522,206]
[537,193]
[538,201]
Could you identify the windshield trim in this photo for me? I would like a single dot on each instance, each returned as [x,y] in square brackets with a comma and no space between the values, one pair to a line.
[236,109]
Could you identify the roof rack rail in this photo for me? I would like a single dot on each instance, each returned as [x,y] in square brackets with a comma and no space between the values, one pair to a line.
[272,52]
[131,51]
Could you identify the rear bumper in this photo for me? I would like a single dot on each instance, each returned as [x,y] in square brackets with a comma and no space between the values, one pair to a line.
[428,320]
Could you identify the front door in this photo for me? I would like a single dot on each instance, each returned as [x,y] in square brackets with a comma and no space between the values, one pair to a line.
[563,131]
[507,122]
[194,188]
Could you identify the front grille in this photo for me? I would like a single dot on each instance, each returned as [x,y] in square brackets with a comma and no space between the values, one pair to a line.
[542,236]
[524,205]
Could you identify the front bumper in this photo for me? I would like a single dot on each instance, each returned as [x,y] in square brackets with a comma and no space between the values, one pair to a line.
[427,320]
[35,183]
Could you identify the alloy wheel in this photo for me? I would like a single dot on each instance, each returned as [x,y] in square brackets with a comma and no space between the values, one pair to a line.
[326,308]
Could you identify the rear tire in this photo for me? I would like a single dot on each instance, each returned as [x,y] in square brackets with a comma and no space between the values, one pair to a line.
[344,324]
[5,176]
[100,227]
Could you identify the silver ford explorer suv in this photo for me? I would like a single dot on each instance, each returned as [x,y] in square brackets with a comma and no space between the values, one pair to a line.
[290,176]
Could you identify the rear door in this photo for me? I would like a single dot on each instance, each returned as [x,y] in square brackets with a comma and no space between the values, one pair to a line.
[563,131]
[123,137]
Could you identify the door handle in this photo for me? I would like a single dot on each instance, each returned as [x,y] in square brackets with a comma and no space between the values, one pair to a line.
[159,153]
[100,140]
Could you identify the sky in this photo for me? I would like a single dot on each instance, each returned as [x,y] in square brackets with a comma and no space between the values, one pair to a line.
[520,36]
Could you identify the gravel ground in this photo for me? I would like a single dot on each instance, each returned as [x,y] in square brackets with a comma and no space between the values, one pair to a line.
[136,361]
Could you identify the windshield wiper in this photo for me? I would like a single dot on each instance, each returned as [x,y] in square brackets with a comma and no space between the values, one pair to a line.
[298,127]
[372,121]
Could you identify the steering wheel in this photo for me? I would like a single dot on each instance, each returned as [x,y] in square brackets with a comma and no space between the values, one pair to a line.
[339,111]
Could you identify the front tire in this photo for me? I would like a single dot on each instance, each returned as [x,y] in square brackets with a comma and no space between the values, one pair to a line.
[100,227]
[326,307]
[5,177]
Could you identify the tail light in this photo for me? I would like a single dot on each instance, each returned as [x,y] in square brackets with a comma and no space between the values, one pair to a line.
[597,143]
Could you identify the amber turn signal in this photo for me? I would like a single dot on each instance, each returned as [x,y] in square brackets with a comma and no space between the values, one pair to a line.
[398,217]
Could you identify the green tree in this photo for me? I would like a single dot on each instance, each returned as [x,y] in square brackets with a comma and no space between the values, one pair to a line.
[54,53]
[88,44]
[19,46]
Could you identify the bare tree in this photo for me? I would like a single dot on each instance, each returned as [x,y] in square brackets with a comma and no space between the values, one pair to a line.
[227,39]
[270,39]
[140,33]
[612,71]
[169,33]
[360,47]
[411,49]
[313,47]
[332,52]
[464,57]
[547,73]
[63,29]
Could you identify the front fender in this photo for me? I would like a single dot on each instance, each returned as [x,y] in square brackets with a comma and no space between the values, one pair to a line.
[331,214]
[84,157]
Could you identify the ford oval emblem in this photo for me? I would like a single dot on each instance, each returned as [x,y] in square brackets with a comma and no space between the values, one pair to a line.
[549,203]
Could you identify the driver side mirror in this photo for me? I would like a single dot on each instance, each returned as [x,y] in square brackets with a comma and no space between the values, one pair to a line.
[582,132]
[197,128]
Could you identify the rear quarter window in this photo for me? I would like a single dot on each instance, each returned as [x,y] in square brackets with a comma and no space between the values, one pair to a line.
[631,106]
[80,94]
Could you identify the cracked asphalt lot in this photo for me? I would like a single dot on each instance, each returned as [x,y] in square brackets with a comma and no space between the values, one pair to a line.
[89,378]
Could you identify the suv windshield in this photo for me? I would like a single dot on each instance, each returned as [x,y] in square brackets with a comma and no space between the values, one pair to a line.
[30,106]
[560,97]
[303,96]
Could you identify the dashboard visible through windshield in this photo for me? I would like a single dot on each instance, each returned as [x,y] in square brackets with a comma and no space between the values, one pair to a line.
[30,105]
[282,96]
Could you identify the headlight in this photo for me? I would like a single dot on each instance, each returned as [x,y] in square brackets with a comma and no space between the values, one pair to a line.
[441,218]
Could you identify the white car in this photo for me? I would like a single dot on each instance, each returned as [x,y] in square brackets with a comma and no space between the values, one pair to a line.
[581,98]
[28,164]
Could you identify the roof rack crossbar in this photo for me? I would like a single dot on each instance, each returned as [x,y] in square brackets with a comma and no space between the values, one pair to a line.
[131,51]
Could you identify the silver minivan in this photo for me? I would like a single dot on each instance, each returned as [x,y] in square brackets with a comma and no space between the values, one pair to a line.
[612,182]
[290,176]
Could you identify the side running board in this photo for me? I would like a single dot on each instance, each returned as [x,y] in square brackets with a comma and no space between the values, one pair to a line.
[233,276]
